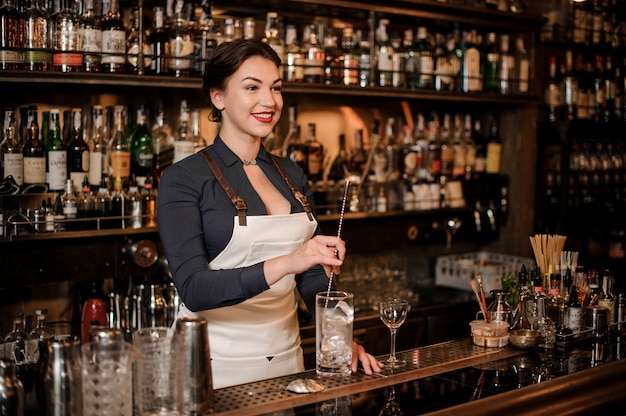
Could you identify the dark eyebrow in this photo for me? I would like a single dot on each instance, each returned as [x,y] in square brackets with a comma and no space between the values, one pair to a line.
[276,81]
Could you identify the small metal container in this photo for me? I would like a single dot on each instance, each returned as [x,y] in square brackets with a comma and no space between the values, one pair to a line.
[191,341]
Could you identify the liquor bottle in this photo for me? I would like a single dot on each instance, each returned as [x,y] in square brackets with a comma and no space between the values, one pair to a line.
[532,306]
[37,56]
[358,157]
[134,204]
[70,205]
[199,141]
[118,204]
[77,151]
[160,43]
[314,155]
[313,56]
[570,87]
[206,38]
[349,51]
[103,203]
[379,158]
[141,148]
[579,20]
[138,51]
[365,60]
[119,148]
[274,38]
[470,63]
[229,31]
[426,59]
[434,148]
[91,33]
[490,64]
[600,90]
[56,153]
[555,304]
[421,149]
[384,55]
[594,290]
[86,206]
[66,41]
[16,340]
[248,28]
[608,299]
[181,44]
[507,66]
[460,148]
[97,146]
[33,151]
[470,146]
[293,146]
[610,82]
[163,144]
[113,38]
[494,149]
[332,59]
[411,60]
[522,68]
[407,159]
[340,167]
[183,145]
[294,60]
[149,204]
[41,331]
[11,36]
[574,311]
[447,147]
[583,89]
[12,157]
[553,97]
[545,326]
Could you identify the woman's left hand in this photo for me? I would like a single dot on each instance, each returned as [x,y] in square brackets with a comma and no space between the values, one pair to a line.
[370,364]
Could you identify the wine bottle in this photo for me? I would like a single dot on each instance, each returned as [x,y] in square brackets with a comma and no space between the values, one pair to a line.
[119,149]
[141,148]
[78,151]
[33,151]
[56,152]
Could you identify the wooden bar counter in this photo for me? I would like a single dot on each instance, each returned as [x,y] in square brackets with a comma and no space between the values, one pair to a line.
[455,377]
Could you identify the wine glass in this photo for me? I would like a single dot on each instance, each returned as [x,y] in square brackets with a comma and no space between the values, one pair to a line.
[393,314]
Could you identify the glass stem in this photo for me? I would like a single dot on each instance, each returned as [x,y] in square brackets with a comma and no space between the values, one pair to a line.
[392,354]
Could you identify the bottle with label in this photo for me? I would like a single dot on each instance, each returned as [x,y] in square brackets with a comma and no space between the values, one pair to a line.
[183,145]
[70,205]
[57,153]
[447,147]
[119,148]
[206,38]
[470,63]
[553,98]
[490,64]
[574,311]
[137,47]
[97,146]
[407,160]
[293,147]
[91,33]
[340,167]
[37,56]
[113,38]
[294,59]
[314,155]
[274,39]
[134,202]
[33,151]
[66,40]
[426,59]
[86,206]
[181,43]
[434,148]
[494,149]
[545,326]
[118,204]
[384,55]
[77,151]
[160,44]
[141,148]
[532,306]
[149,204]
[507,65]
[313,55]
[555,304]
[608,299]
[365,59]
[163,144]
[350,57]
[12,157]
[570,87]
[16,340]
[103,203]
[11,36]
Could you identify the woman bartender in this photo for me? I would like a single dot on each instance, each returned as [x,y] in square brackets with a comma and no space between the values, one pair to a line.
[238,230]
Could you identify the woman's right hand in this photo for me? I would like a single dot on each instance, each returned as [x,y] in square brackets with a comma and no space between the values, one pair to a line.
[327,251]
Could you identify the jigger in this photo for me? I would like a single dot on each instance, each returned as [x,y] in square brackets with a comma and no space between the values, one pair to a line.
[191,341]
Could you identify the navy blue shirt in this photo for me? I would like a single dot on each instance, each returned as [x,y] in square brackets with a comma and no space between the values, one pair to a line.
[195,217]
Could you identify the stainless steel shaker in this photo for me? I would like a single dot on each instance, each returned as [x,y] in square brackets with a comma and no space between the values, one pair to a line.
[191,341]
[62,378]
[11,390]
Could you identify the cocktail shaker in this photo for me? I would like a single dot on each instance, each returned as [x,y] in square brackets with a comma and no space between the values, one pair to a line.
[62,379]
[191,341]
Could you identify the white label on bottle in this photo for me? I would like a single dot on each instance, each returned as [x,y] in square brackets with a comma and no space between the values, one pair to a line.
[14,166]
[92,40]
[69,209]
[57,169]
[182,149]
[385,59]
[34,170]
[427,67]
[95,167]
[120,164]
[181,49]
[471,70]
[574,318]
[113,46]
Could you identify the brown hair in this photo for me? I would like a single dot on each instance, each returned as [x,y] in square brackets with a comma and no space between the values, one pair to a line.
[227,59]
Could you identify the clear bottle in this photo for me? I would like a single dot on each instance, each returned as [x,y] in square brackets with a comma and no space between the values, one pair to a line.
[507,65]
[37,56]
[447,147]
[555,303]
[11,35]
[56,153]
[91,33]
[33,151]
[384,55]
[134,204]
[77,151]
[17,339]
[470,63]
[86,206]
[608,299]
[181,44]
[294,59]
[532,306]
[97,145]
[545,326]
[200,142]
[113,38]
[163,143]
[12,157]
[293,146]
[118,204]
[183,145]
[206,38]
[274,39]
[135,38]
[313,55]
[314,155]
[141,147]
[350,57]
[66,42]
[70,205]
[160,44]
[570,87]
[42,331]
[103,203]
[426,59]
[119,148]
[365,60]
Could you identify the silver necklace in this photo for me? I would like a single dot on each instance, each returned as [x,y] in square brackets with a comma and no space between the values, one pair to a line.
[248,162]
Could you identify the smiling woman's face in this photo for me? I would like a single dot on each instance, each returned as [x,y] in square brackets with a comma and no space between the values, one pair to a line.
[252,101]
